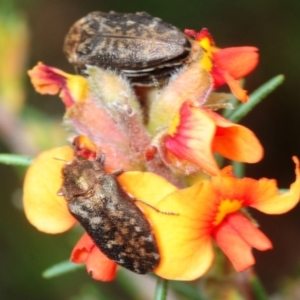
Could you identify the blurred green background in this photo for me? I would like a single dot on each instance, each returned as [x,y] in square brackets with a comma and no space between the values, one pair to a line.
[34,31]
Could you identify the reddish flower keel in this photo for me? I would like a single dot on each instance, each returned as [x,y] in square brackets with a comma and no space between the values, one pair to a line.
[97,264]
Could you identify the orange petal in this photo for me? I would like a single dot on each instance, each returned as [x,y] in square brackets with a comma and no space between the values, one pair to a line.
[48,80]
[140,185]
[234,247]
[226,65]
[82,249]
[191,138]
[44,209]
[235,142]
[184,240]
[247,190]
[249,232]
[198,132]
[277,204]
[236,236]
[235,87]
[98,265]
[237,61]
[42,80]
[261,194]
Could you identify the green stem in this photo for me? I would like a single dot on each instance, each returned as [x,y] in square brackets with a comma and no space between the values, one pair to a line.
[61,268]
[161,289]
[239,169]
[255,98]
[15,159]
[187,291]
[257,288]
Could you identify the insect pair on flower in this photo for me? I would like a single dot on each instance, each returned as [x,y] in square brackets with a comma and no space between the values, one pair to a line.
[171,135]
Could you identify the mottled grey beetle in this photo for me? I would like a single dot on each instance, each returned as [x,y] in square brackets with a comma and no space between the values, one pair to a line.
[143,48]
[109,215]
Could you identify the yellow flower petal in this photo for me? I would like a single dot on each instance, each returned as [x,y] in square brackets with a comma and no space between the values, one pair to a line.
[184,243]
[279,204]
[44,209]
[146,186]
[184,240]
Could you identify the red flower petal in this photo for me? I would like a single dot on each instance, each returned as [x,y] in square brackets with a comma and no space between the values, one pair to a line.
[226,65]
[237,61]
[235,248]
[48,80]
[235,142]
[196,133]
[82,249]
[99,266]
[192,138]
[222,77]
[236,236]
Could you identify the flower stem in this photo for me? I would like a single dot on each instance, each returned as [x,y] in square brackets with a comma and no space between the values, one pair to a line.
[161,289]
[60,269]
[257,288]
[15,159]
[255,98]
[186,290]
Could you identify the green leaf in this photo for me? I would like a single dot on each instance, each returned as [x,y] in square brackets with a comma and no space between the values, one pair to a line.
[61,268]
[15,159]
[257,288]
[239,169]
[161,289]
[255,98]
[186,290]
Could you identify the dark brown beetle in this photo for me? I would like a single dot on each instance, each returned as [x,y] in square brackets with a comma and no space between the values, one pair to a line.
[143,48]
[109,215]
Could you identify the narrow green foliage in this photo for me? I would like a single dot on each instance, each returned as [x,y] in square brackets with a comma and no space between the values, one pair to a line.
[15,159]
[61,268]
[239,169]
[161,289]
[187,290]
[257,288]
[244,108]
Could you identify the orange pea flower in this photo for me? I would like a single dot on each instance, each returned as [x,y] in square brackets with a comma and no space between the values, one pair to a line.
[49,213]
[210,210]
[228,64]
[48,80]
[196,133]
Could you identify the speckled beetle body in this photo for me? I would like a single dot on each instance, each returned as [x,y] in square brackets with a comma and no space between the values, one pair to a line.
[109,215]
[141,47]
